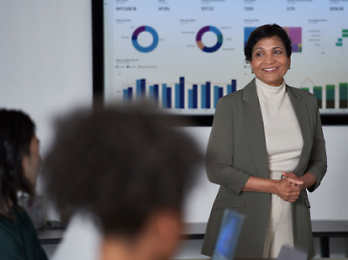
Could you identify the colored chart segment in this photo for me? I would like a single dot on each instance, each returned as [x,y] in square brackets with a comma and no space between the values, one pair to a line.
[343,95]
[339,42]
[330,96]
[140,30]
[200,34]
[295,33]
[318,93]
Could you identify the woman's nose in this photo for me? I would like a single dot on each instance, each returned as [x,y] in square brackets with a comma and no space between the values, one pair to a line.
[269,58]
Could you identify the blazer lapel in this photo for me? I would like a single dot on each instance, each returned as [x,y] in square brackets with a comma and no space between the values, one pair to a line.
[255,129]
[304,122]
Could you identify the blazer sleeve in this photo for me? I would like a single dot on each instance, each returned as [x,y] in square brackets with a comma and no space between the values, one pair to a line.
[317,161]
[219,156]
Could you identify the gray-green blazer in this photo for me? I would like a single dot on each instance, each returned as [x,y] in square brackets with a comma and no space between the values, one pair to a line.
[237,150]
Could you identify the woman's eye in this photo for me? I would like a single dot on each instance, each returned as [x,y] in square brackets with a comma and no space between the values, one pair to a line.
[258,54]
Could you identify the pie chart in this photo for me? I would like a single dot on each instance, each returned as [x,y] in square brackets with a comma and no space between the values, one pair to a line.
[135,41]
[212,29]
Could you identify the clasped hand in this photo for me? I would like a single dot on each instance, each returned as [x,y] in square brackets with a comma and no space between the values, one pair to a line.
[288,188]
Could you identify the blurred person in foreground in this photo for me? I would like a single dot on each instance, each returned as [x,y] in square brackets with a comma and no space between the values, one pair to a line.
[19,166]
[123,173]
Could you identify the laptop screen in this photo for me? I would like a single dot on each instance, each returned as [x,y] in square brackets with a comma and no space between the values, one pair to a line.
[228,235]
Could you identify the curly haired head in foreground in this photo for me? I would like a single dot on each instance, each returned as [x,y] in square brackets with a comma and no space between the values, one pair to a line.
[122,163]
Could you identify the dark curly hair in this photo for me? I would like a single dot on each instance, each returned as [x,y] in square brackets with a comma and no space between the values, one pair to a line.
[121,163]
[16,133]
[267,31]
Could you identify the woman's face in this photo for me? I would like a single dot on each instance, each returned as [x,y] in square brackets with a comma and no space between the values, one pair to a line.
[269,61]
[31,162]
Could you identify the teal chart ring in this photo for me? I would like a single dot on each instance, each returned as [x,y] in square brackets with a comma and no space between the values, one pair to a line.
[136,44]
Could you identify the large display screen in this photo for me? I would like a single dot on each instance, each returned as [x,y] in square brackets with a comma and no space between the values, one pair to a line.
[186,54]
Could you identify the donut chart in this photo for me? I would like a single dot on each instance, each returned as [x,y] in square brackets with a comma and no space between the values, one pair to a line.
[136,44]
[200,34]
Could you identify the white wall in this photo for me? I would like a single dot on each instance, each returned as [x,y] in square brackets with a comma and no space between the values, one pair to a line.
[45,59]
[329,201]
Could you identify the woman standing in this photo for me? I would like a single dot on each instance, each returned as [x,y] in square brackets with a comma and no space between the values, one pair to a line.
[266,148]
[19,165]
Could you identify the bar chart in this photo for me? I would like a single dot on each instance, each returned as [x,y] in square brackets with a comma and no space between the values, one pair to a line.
[180,95]
[331,96]
[339,42]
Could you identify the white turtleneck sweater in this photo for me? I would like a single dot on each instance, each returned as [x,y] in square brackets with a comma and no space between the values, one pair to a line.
[284,140]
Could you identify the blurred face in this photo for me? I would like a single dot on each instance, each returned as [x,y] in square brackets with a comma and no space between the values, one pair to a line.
[169,235]
[31,162]
[269,61]
[158,240]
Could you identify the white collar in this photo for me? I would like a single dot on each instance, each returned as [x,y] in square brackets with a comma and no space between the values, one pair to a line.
[268,92]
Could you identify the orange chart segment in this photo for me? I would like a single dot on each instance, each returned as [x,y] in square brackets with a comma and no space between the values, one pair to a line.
[200,45]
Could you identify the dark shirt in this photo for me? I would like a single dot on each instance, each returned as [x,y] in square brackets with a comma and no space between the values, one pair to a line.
[18,238]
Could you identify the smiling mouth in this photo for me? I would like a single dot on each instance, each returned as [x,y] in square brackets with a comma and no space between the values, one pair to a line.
[270,69]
